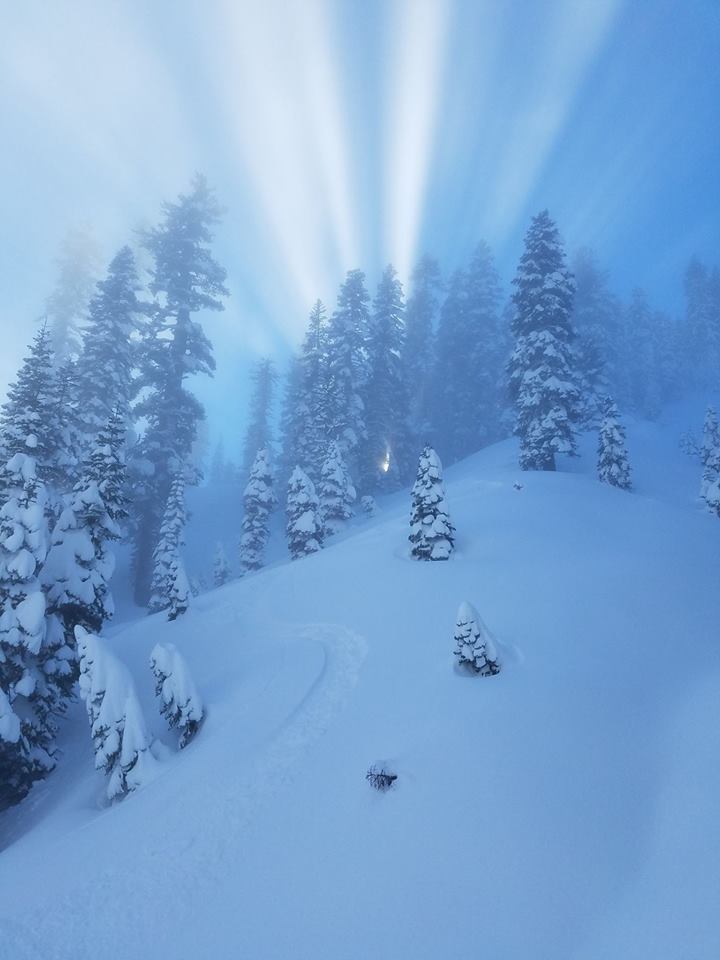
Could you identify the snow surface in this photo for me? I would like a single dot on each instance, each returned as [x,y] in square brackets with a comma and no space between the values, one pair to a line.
[567,808]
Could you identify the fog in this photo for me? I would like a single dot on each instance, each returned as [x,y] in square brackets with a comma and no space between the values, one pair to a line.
[342,135]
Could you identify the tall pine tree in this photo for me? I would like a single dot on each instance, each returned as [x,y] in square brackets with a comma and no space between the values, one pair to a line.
[542,377]
[419,352]
[258,433]
[258,503]
[185,279]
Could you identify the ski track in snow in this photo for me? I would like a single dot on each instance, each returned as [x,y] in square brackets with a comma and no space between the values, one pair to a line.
[193,870]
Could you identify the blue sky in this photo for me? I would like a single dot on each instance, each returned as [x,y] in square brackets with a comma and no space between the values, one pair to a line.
[352,133]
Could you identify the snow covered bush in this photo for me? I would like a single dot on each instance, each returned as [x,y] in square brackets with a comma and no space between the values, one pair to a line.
[221,567]
[304,529]
[613,466]
[337,494]
[180,702]
[474,644]
[120,738]
[368,505]
[431,532]
[258,504]
[380,778]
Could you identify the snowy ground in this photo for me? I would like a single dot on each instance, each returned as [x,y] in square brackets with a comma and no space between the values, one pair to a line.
[566,808]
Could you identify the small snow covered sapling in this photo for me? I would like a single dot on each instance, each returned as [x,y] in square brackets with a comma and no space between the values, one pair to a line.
[475,645]
[613,467]
[180,702]
[304,527]
[368,505]
[431,530]
[221,567]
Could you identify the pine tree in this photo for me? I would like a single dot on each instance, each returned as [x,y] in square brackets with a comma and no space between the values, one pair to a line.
[304,528]
[542,378]
[595,320]
[179,589]
[419,351]
[180,701]
[185,279]
[312,400]
[120,738]
[292,420]
[336,492]
[710,453]
[613,466]
[35,663]
[347,368]
[168,546]
[30,412]
[258,503]
[641,357]
[386,450]
[108,357]
[259,434]
[431,531]
[474,644]
[66,307]
[702,324]
[221,567]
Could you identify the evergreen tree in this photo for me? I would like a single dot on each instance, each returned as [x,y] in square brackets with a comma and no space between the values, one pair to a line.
[452,413]
[258,503]
[180,702]
[336,493]
[168,546]
[347,368]
[66,307]
[292,420]
[595,320]
[710,453]
[312,399]
[185,279]
[120,738]
[259,433]
[613,466]
[386,450]
[542,378]
[221,567]
[474,644]
[702,324]
[108,357]
[179,589]
[31,411]
[641,357]
[304,528]
[432,534]
[419,351]
[35,664]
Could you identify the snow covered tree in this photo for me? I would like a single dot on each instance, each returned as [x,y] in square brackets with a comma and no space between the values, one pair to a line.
[66,307]
[180,701]
[304,527]
[641,357]
[702,323]
[596,315]
[471,350]
[386,449]
[336,492]
[542,378]
[347,368]
[418,353]
[31,411]
[108,358]
[179,593]
[474,644]
[259,433]
[313,399]
[613,466]
[168,546]
[221,567]
[185,279]
[120,737]
[258,504]
[431,531]
[36,666]
[710,452]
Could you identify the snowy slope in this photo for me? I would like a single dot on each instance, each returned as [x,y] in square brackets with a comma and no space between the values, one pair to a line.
[566,808]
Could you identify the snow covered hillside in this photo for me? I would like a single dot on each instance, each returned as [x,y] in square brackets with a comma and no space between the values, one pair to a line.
[566,808]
